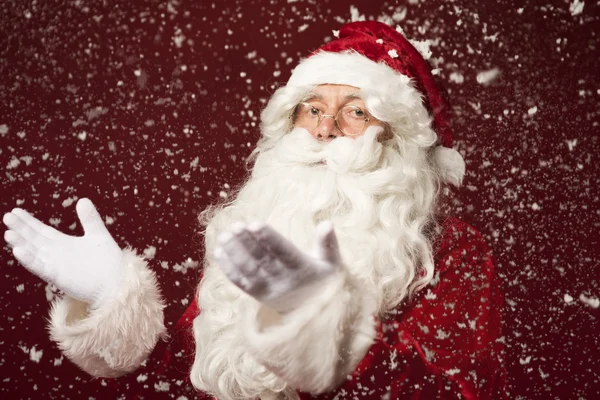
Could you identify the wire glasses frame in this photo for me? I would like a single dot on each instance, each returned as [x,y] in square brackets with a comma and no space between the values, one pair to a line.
[351,120]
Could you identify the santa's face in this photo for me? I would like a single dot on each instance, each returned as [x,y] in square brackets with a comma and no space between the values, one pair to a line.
[331,111]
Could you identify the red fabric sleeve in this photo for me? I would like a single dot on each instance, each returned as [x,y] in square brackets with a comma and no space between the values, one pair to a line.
[445,344]
[178,357]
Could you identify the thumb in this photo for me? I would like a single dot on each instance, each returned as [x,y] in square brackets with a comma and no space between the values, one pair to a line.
[89,217]
[327,247]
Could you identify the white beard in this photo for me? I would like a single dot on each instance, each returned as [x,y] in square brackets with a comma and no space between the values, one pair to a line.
[364,187]
[379,202]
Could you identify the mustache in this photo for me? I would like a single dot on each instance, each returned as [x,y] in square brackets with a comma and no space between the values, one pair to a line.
[341,155]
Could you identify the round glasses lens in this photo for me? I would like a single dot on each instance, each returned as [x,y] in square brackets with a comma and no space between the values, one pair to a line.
[307,116]
[352,120]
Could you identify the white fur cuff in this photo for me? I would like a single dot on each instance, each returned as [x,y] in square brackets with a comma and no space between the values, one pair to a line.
[118,335]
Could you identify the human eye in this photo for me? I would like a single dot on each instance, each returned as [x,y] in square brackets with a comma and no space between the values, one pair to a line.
[311,110]
[354,112]
[359,113]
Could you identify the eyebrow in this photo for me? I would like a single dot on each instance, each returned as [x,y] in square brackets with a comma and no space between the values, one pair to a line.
[352,96]
[317,96]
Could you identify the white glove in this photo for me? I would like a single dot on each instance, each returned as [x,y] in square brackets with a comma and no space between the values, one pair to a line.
[87,268]
[271,269]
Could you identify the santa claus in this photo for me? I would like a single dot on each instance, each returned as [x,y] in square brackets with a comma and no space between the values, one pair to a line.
[331,274]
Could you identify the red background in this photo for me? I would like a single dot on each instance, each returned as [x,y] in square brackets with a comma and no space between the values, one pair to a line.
[149,109]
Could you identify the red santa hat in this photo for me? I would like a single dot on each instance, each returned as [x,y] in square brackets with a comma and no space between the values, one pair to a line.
[372,55]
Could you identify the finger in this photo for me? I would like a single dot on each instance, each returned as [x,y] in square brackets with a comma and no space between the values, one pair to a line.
[32,263]
[89,217]
[13,239]
[237,253]
[11,220]
[230,269]
[327,247]
[277,245]
[247,239]
[35,223]
[16,224]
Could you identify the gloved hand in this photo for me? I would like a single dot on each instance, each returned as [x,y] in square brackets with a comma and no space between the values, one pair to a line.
[271,269]
[87,268]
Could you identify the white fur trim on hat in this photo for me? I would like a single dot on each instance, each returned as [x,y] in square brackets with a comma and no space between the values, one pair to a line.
[450,164]
[353,69]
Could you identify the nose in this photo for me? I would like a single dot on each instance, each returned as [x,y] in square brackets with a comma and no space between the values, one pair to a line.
[327,130]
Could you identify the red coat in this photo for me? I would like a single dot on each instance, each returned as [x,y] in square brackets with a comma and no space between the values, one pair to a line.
[446,343]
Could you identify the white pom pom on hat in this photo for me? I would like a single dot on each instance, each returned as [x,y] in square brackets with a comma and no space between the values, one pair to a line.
[450,164]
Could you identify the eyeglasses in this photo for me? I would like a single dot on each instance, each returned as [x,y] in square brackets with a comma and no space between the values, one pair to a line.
[350,120]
